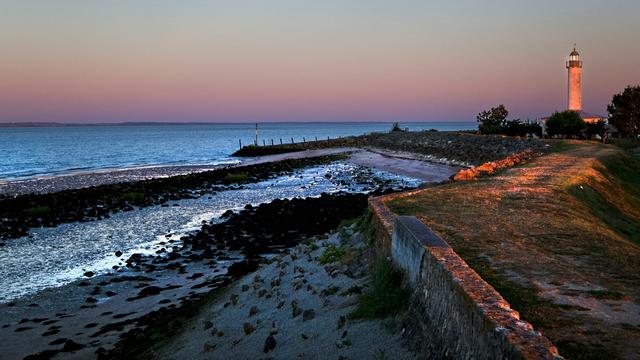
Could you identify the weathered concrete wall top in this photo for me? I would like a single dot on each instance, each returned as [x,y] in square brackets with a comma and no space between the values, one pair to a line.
[460,314]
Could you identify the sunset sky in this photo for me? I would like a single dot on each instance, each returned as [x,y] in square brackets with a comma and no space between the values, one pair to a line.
[293,60]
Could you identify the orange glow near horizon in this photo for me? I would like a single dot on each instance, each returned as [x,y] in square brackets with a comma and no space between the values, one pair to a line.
[85,61]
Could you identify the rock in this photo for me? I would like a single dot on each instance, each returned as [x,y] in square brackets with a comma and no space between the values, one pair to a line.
[253,310]
[208,347]
[245,287]
[304,336]
[295,309]
[118,253]
[88,273]
[234,299]
[341,322]
[262,292]
[71,345]
[91,300]
[248,328]
[207,324]
[308,315]
[269,344]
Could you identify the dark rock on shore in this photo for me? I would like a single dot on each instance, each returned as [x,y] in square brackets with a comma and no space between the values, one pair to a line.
[18,214]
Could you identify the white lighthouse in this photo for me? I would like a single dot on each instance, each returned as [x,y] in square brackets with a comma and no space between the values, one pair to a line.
[574,85]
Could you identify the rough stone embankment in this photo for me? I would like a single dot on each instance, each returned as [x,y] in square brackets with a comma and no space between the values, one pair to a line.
[460,148]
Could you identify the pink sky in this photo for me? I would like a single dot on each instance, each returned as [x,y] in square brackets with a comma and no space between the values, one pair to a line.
[285,60]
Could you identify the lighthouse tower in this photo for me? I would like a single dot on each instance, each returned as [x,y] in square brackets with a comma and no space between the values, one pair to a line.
[574,96]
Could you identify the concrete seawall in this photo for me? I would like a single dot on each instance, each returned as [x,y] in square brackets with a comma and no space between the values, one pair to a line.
[459,315]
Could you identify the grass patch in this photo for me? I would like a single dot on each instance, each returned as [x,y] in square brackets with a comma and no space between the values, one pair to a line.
[622,172]
[364,225]
[234,177]
[38,211]
[539,312]
[386,296]
[332,254]
[132,196]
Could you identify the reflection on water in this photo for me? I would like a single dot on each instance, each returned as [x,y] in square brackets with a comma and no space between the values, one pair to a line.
[55,256]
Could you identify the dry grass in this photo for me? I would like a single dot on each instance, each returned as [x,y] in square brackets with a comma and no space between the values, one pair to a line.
[552,237]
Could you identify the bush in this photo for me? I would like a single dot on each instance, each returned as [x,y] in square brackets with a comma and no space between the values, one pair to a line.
[132,196]
[233,177]
[596,128]
[38,211]
[332,254]
[386,296]
[625,111]
[565,124]
[514,128]
[492,121]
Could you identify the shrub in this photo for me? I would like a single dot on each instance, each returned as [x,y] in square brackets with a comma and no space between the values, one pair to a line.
[492,121]
[565,124]
[624,111]
[596,128]
[38,211]
[331,254]
[386,296]
[233,177]
[514,128]
[132,196]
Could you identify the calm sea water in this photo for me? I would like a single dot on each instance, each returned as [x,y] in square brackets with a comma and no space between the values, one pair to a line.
[33,152]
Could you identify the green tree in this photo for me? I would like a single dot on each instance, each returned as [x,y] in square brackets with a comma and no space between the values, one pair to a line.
[624,111]
[492,121]
[565,124]
[514,127]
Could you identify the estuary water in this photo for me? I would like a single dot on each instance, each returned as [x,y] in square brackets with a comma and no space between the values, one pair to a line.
[52,257]
[29,152]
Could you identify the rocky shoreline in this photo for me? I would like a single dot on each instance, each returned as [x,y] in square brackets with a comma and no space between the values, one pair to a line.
[19,213]
[453,147]
[182,278]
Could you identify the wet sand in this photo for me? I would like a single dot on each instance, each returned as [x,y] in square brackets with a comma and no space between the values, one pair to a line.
[292,308]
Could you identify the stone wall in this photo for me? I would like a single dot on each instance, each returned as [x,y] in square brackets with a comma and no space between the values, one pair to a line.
[459,315]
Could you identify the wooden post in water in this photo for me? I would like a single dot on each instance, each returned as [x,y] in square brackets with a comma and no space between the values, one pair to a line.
[280,141]
[271,142]
[264,142]
[304,140]
[240,143]
[292,140]
[256,140]
[316,138]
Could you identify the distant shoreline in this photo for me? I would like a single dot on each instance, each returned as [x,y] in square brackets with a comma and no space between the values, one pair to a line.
[157,123]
